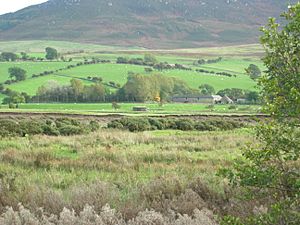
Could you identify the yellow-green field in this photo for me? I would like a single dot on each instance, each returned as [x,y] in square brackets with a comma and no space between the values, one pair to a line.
[127,108]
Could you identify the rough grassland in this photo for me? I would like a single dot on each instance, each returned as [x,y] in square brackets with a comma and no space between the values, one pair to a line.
[126,160]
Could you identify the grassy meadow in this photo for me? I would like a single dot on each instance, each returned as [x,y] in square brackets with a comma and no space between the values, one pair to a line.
[127,108]
[161,170]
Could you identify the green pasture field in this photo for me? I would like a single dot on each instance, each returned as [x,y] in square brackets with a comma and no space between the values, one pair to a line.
[30,67]
[175,108]
[31,85]
[234,64]
[119,72]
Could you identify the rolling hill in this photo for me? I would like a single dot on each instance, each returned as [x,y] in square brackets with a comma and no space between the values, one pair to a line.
[147,23]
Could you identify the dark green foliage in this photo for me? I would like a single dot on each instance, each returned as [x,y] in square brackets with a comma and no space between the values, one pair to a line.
[147,124]
[94,126]
[61,126]
[141,88]
[1,87]
[68,130]
[51,53]
[9,128]
[252,96]
[51,130]
[75,92]
[31,128]
[253,71]
[233,93]
[8,56]
[17,73]
[14,98]
[208,61]
[132,124]
[280,84]
[184,124]
[270,170]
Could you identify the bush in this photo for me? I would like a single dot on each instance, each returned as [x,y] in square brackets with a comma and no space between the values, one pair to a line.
[184,124]
[139,124]
[31,128]
[116,124]
[68,130]
[61,126]
[148,124]
[9,128]
[50,130]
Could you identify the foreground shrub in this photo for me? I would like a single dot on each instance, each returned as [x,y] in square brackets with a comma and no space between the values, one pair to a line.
[10,128]
[147,124]
[61,126]
[68,130]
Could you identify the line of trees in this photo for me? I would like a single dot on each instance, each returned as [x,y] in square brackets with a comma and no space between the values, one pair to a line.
[208,61]
[138,88]
[76,91]
[215,73]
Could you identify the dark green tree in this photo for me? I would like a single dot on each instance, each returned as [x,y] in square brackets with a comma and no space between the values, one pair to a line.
[17,73]
[51,53]
[271,169]
[207,89]
[9,56]
[14,98]
[1,87]
[252,96]
[253,71]
[24,56]
[233,93]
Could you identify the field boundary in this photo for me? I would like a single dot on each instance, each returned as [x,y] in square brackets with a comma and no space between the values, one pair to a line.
[112,116]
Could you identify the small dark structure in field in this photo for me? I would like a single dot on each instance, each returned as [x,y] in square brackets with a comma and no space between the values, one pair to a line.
[209,99]
[140,109]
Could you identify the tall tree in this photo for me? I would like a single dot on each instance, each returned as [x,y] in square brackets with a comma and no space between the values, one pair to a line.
[9,56]
[78,88]
[253,71]
[18,73]
[51,53]
[271,169]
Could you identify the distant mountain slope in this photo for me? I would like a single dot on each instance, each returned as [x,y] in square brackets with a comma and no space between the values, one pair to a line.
[148,23]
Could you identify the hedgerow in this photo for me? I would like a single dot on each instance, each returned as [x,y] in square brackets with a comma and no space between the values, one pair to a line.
[55,127]
[148,124]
